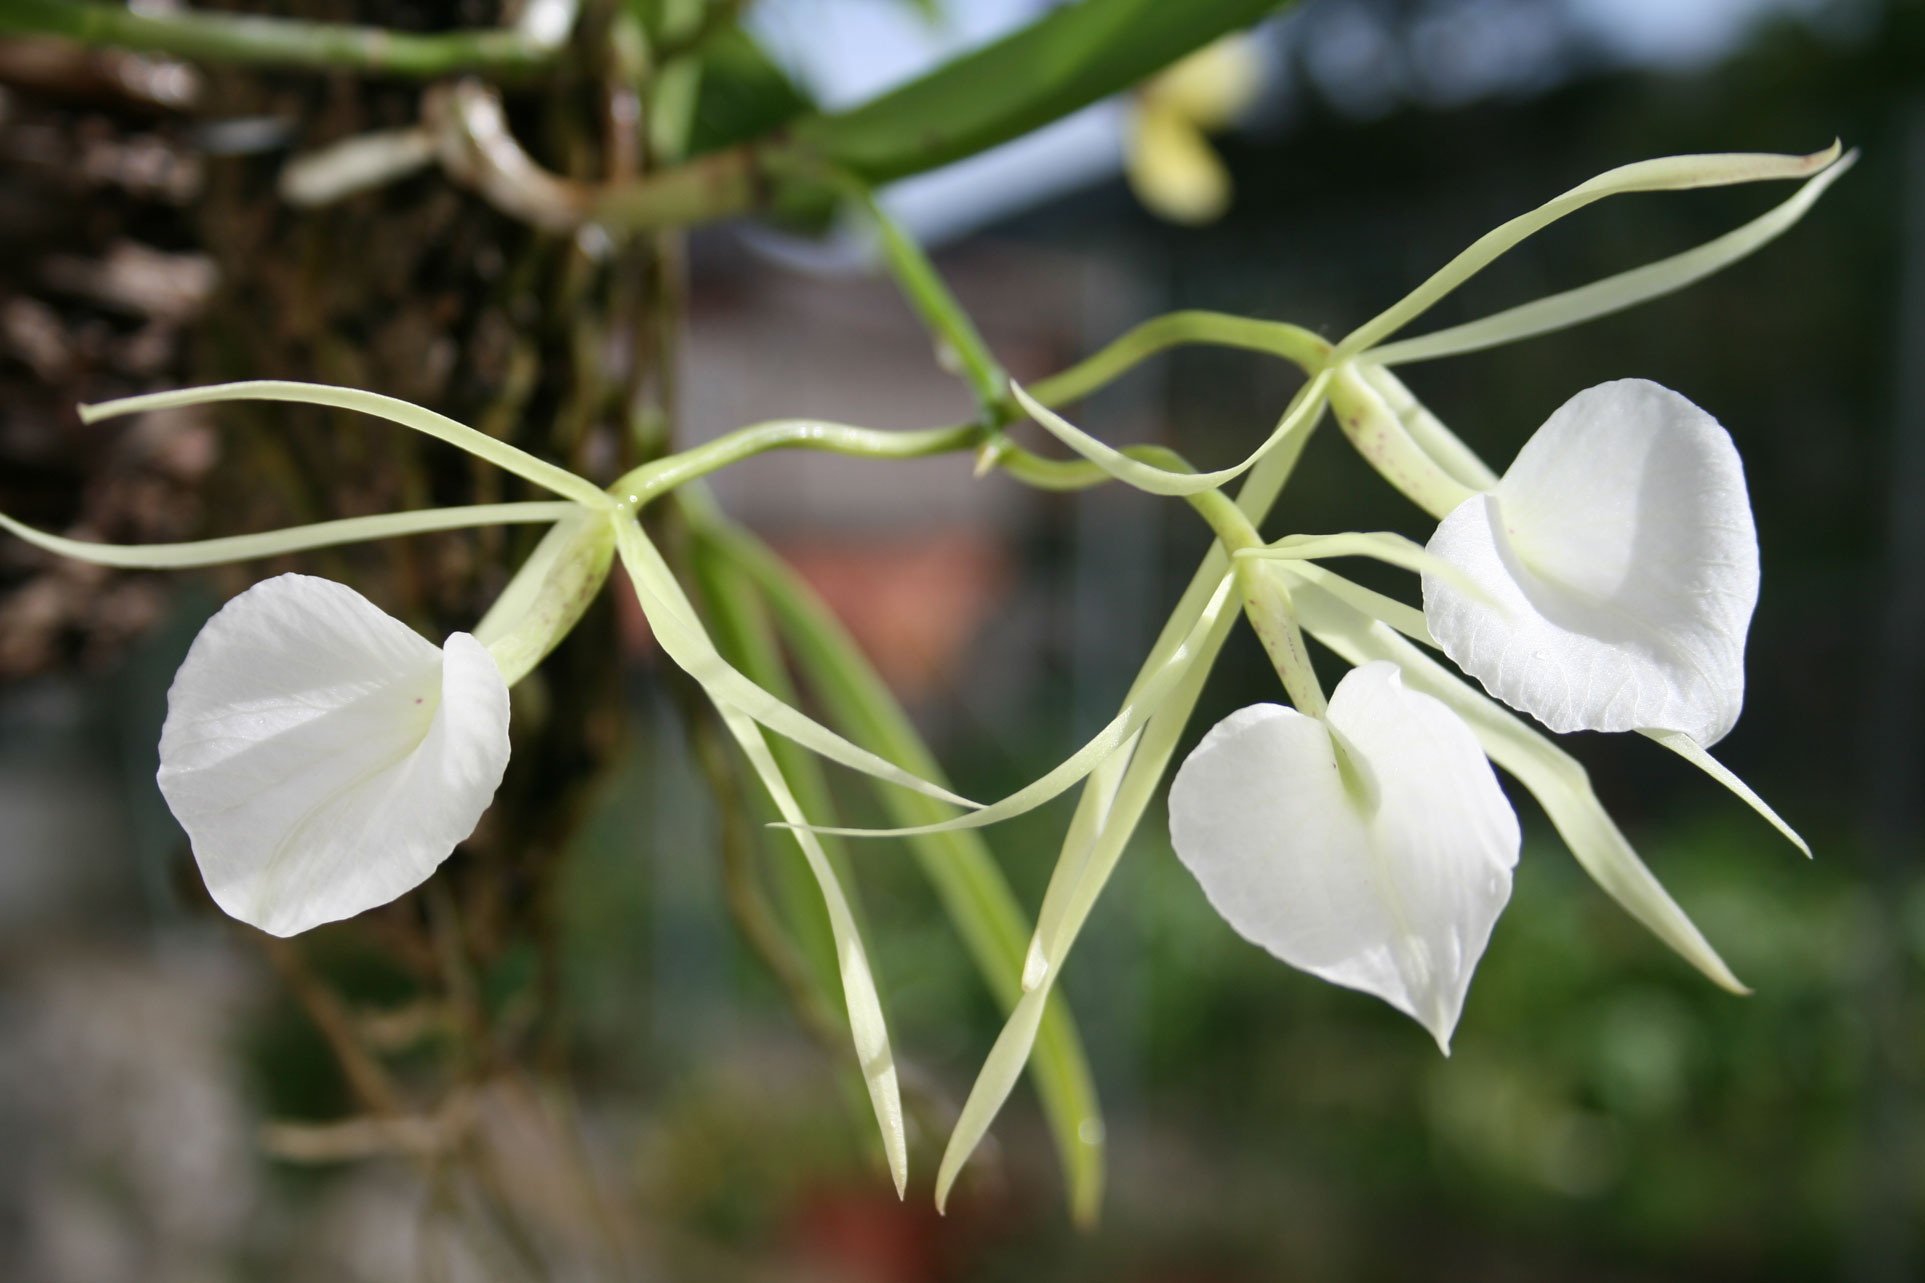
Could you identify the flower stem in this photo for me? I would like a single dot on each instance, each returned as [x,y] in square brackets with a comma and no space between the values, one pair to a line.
[1173,329]
[652,480]
[642,485]
[1266,602]
[1386,444]
[930,295]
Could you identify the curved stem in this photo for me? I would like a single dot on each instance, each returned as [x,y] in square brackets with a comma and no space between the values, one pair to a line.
[654,479]
[939,309]
[1294,343]
[1303,348]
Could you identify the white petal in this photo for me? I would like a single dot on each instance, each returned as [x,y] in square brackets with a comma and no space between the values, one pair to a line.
[1383,871]
[322,756]
[1622,566]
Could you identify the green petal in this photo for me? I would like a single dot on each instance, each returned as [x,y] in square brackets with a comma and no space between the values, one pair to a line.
[967,880]
[1427,430]
[1670,173]
[996,1080]
[1107,816]
[1109,809]
[406,413]
[1302,412]
[1406,619]
[1614,293]
[274,543]
[1173,329]
[682,636]
[866,1024]
[1693,752]
[1137,709]
[1382,545]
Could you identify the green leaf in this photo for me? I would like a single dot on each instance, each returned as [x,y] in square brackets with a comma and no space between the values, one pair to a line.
[972,888]
[743,93]
[1069,58]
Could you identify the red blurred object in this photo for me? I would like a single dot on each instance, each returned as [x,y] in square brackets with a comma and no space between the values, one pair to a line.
[913,600]
[864,1234]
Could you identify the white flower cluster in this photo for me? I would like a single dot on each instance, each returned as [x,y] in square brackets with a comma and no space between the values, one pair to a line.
[1606,584]
[324,758]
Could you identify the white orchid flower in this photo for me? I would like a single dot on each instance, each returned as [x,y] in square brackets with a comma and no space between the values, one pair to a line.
[1619,565]
[1121,789]
[1371,847]
[324,757]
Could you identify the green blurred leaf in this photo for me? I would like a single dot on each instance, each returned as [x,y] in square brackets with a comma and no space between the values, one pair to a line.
[740,626]
[1071,57]
[743,95]
[971,886]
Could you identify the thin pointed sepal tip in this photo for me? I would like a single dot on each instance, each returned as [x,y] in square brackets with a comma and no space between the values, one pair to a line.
[1725,979]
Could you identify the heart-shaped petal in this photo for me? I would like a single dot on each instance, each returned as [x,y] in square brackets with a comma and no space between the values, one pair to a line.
[1372,848]
[1620,564]
[324,757]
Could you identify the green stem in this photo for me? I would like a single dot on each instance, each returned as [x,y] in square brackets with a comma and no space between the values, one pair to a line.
[1293,343]
[641,486]
[284,42]
[652,480]
[930,295]
[1384,441]
[1266,602]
